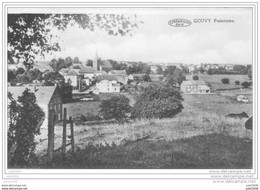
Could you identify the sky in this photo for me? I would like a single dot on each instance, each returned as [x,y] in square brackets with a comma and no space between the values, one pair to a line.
[158,42]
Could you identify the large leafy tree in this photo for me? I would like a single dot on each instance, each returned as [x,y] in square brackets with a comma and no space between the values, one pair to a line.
[117,107]
[25,119]
[176,78]
[31,34]
[158,101]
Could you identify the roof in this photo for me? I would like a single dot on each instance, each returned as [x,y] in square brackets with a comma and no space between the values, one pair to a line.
[71,73]
[64,71]
[106,77]
[43,94]
[101,72]
[194,82]
[86,69]
[75,70]
[117,72]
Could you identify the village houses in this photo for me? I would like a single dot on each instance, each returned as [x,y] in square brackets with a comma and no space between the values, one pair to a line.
[107,84]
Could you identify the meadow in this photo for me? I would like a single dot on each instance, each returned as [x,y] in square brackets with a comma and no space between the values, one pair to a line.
[215,80]
[186,141]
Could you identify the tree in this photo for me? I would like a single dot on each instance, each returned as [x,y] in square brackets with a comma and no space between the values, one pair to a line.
[10,75]
[210,71]
[33,74]
[245,84]
[68,61]
[22,78]
[76,60]
[225,81]
[202,70]
[65,91]
[195,77]
[158,101]
[31,34]
[117,107]
[237,82]
[169,70]
[52,78]
[147,78]
[89,63]
[159,70]
[20,70]
[176,78]
[58,64]
[26,118]
[249,73]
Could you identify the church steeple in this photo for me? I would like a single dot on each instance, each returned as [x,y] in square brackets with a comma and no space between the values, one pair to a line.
[95,62]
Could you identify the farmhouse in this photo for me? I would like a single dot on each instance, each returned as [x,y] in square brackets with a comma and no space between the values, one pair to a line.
[195,87]
[47,97]
[107,84]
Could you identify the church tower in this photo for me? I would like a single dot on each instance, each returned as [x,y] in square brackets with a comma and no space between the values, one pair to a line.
[95,62]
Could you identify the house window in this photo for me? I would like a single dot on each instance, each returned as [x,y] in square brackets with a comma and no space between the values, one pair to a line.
[115,89]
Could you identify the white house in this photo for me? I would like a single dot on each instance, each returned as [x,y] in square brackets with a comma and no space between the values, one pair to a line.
[195,87]
[107,84]
[72,78]
[229,67]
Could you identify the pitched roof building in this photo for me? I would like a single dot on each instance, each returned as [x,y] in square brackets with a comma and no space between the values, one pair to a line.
[47,97]
[195,87]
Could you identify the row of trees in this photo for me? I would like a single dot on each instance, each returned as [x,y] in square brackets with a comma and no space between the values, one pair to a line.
[156,101]
[237,70]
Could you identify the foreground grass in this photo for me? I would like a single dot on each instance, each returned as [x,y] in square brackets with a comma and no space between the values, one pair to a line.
[213,151]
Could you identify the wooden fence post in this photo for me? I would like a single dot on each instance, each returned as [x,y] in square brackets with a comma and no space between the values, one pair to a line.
[50,135]
[64,132]
[72,134]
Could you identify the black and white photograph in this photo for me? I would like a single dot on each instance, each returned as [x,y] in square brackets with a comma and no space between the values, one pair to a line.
[153,88]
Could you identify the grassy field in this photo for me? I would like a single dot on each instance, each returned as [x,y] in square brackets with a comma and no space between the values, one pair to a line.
[214,103]
[217,78]
[216,83]
[188,141]
[76,109]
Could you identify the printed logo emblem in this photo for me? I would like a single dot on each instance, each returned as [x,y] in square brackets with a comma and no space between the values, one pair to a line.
[179,22]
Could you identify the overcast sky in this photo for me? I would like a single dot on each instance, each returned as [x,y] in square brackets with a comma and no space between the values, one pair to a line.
[157,41]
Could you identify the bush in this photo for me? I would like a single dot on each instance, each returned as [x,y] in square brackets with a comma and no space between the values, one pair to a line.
[26,118]
[237,82]
[195,77]
[225,81]
[245,84]
[158,101]
[117,107]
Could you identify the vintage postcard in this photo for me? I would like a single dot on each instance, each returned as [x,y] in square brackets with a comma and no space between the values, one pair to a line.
[130,90]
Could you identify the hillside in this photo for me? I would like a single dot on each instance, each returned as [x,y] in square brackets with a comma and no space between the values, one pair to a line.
[185,130]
